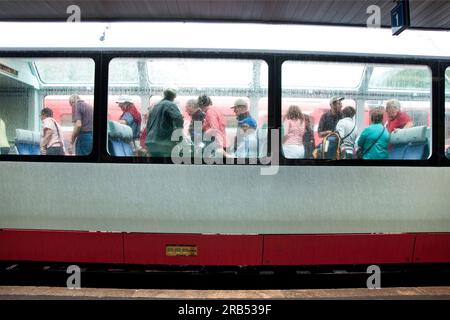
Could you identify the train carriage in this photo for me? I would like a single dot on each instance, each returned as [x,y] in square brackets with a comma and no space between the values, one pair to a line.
[267,211]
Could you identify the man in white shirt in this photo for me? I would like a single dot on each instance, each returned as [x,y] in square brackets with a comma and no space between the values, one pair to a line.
[347,130]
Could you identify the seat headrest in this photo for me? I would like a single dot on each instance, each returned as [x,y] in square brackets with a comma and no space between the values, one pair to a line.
[414,134]
[27,136]
[119,131]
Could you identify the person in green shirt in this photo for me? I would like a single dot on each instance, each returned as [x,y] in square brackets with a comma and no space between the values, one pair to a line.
[374,139]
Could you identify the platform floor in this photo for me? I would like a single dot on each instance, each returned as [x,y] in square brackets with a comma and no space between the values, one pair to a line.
[38,293]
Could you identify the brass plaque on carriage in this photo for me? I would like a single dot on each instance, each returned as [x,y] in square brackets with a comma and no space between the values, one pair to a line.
[181,250]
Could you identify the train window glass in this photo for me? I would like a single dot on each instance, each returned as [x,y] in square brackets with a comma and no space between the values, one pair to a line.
[402,78]
[310,75]
[65,71]
[311,128]
[447,112]
[217,84]
[191,73]
[125,72]
[264,75]
[37,116]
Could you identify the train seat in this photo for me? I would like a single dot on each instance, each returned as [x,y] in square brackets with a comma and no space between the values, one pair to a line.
[119,138]
[409,144]
[27,142]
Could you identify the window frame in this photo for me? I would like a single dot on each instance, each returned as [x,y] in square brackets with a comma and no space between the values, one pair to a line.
[444,67]
[177,55]
[274,60]
[45,90]
[45,84]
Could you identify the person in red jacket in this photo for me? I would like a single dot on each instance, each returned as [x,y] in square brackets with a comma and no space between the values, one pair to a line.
[396,119]
[214,123]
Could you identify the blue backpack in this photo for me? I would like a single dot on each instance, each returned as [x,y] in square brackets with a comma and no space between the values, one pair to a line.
[330,148]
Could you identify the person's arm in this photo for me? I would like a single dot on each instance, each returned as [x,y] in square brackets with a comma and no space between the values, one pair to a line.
[320,130]
[214,130]
[323,134]
[361,139]
[77,124]
[405,121]
[176,116]
[408,123]
[76,131]
[45,140]
[127,119]
[340,128]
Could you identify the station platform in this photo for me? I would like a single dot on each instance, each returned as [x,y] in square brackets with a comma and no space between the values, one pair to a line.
[44,293]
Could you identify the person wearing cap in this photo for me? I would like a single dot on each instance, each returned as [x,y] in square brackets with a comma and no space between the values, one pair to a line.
[214,123]
[240,109]
[82,118]
[247,141]
[396,119]
[130,115]
[164,118]
[329,119]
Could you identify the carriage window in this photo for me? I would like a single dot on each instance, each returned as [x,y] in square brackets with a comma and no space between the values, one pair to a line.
[447,113]
[36,115]
[400,78]
[65,71]
[125,72]
[342,111]
[184,108]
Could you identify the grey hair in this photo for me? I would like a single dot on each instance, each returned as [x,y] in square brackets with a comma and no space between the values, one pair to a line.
[393,103]
[192,103]
[74,98]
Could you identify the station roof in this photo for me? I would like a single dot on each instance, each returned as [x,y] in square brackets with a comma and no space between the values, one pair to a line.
[425,14]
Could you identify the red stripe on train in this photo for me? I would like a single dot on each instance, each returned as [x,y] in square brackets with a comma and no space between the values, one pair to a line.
[64,246]
[212,249]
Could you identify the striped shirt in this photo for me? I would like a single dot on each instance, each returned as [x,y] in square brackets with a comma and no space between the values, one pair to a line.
[294,129]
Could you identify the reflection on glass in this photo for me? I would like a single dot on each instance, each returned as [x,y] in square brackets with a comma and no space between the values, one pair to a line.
[65,71]
[332,110]
[207,108]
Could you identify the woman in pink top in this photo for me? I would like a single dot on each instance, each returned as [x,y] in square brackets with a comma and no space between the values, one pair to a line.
[213,123]
[52,141]
[294,129]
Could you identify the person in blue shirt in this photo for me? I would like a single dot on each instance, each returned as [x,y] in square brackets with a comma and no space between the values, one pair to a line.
[247,139]
[130,116]
[374,139]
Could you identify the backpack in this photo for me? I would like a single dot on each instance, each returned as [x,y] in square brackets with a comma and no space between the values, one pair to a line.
[330,148]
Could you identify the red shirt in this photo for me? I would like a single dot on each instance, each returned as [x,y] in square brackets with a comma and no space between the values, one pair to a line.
[400,120]
[215,121]
[142,138]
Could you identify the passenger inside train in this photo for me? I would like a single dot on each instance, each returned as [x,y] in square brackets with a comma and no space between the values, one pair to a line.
[52,142]
[227,91]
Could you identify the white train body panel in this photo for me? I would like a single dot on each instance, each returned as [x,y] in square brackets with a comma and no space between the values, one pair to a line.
[228,199]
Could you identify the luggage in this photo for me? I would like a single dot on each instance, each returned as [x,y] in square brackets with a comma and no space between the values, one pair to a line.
[330,148]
